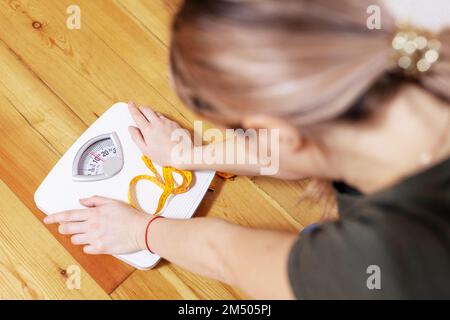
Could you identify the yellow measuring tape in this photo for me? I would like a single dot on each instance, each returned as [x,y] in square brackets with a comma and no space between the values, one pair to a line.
[166,183]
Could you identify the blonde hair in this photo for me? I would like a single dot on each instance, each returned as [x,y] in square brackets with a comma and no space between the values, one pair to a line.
[307,61]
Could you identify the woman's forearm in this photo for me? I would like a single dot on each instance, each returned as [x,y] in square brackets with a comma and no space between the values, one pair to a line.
[254,260]
[216,157]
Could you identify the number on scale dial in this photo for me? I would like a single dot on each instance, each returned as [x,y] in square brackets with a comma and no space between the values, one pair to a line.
[100,158]
[91,162]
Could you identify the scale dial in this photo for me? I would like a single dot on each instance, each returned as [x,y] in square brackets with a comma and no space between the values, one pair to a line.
[100,158]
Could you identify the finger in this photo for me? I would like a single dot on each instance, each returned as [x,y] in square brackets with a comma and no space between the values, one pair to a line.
[80,239]
[91,250]
[137,116]
[137,137]
[72,228]
[67,216]
[149,114]
[95,201]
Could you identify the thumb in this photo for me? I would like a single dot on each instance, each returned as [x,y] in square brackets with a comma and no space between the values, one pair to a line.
[95,201]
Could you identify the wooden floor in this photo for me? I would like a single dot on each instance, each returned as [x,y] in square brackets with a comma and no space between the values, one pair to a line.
[54,82]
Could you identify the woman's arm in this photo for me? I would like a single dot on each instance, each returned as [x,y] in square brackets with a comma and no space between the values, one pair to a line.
[153,136]
[242,169]
[253,260]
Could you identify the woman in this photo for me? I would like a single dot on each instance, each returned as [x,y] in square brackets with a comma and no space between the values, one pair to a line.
[352,105]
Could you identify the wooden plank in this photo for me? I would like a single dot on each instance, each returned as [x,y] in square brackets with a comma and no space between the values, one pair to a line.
[32,262]
[155,16]
[92,68]
[168,281]
[207,289]
[155,287]
[47,114]
[290,196]
[144,54]
[238,202]
[25,160]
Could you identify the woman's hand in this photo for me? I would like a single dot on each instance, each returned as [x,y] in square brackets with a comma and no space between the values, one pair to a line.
[106,227]
[153,134]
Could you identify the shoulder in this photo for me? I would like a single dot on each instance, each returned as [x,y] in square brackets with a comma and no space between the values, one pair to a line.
[335,260]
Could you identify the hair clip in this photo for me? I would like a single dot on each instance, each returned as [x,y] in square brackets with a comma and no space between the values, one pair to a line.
[415,50]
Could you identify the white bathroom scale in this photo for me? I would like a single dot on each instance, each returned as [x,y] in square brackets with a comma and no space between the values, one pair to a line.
[102,162]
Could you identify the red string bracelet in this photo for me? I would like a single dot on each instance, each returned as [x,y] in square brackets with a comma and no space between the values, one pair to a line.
[146,232]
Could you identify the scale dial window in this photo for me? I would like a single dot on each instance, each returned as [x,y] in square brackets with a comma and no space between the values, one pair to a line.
[100,158]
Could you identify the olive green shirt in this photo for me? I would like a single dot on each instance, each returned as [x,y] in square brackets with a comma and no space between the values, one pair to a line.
[389,245]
